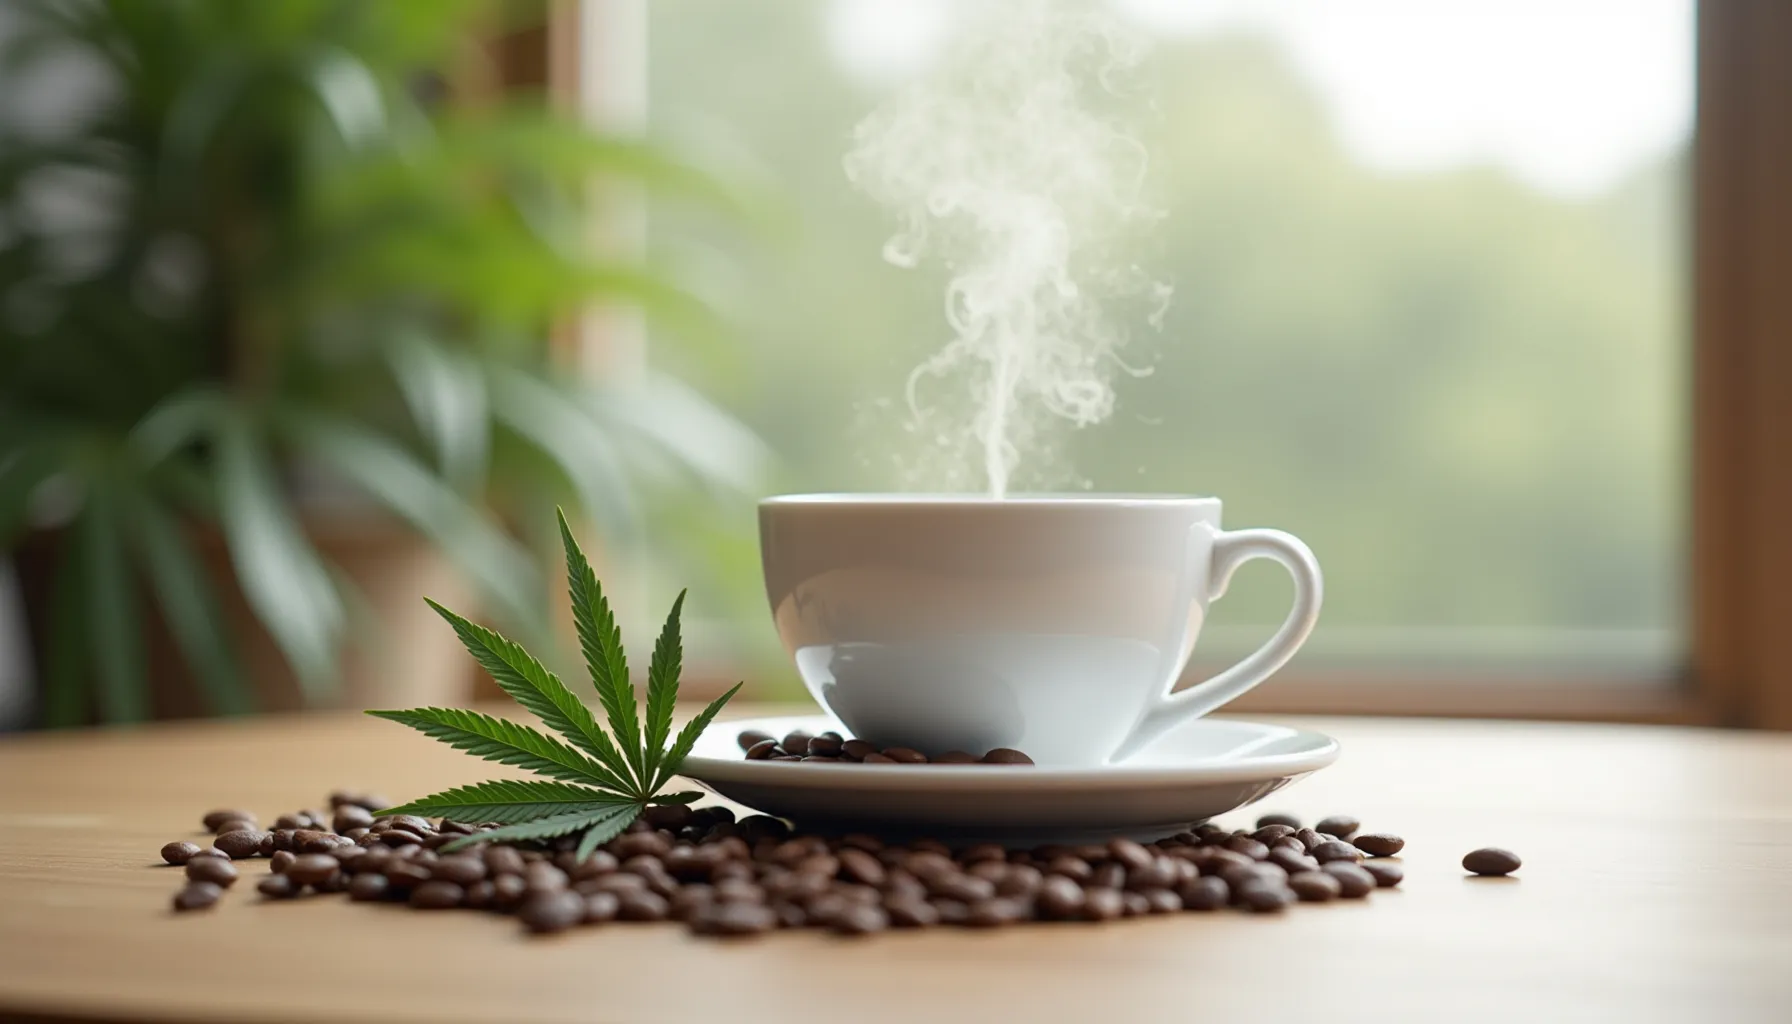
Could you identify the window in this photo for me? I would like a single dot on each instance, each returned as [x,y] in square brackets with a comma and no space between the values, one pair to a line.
[1431,309]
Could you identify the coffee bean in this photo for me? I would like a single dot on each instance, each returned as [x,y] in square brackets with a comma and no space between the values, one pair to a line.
[1292,862]
[541,876]
[310,840]
[1336,850]
[1102,904]
[876,758]
[1386,873]
[729,918]
[1249,847]
[1266,897]
[278,887]
[1159,874]
[956,757]
[1314,886]
[1204,892]
[1379,844]
[1129,854]
[369,886]
[1288,821]
[552,911]
[905,755]
[1272,833]
[764,750]
[1060,898]
[280,861]
[213,819]
[366,801]
[1073,868]
[197,896]
[861,867]
[855,750]
[313,868]
[828,744]
[216,870]
[751,738]
[233,825]
[1022,881]
[1162,901]
[1353,881]
[351,816]
[795,742]
[951,911]
[179,853]
[1491,861]
[1341,825]
[1006,755]
[437,894]
[860,919]
[241,843]
[504,860]
[965,888]
[461,869]
[907,911]
[995,912]
[1133,904]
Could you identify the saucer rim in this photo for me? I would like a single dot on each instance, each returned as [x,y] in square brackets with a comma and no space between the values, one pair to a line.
[1325,751]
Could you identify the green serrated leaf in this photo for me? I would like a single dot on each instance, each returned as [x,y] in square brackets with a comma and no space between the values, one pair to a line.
[540,691]
[662,687]
[603,832]
[687,738]
[555,825]
[601,643]
[505,742]
[506,801]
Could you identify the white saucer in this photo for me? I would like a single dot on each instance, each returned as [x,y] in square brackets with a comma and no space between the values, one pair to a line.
[1198,770]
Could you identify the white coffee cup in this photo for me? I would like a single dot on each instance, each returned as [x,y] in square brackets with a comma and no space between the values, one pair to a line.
[1055,625]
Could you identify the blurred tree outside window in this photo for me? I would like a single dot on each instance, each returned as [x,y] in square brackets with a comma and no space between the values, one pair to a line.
[1430,264]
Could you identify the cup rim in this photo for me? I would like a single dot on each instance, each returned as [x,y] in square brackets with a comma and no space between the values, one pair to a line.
[847,499]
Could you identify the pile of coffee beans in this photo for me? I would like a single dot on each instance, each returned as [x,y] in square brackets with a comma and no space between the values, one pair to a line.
[720,876]
[832,748]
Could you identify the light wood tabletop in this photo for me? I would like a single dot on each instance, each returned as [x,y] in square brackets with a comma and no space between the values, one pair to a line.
[1657,886]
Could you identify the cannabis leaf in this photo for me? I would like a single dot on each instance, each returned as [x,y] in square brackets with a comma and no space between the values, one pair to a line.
[600,782]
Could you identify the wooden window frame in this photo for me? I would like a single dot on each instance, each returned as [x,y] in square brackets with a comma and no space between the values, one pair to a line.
[1738,671]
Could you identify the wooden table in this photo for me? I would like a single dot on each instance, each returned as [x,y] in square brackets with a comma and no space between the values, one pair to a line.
[1657,886]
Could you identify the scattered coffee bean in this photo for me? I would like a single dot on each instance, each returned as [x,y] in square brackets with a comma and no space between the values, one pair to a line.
[350,816]
[437,894]
[855,750]
[1266,897]
[1272,833]
[732,918]
[1341,825]
[753,737]
[1006,755]
[1288,821]
[216,870]
[281,860]
[1353,881]
[312,868]
[1491,861]
[1102,904]
[1379,844]
[214,819]
[1314,886]
[796,742]
[763,750]
[552,911]
[1336,850]
[1249,847]
[198,896]
[904,755]
[234,825]
[277,887]
[828,744]
[368,886]
[1205,892]
[876,758]
[241,843]
[1386,873]
[179,853]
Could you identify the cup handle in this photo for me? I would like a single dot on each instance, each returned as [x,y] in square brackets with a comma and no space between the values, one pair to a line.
[1229,550]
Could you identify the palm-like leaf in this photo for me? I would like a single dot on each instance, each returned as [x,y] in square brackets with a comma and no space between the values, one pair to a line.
[600,824]
[662,687]
[601,642]
[505,742]
[505,801]
[535,688]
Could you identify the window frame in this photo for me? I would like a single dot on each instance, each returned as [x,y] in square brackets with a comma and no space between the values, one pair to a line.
[1738,667]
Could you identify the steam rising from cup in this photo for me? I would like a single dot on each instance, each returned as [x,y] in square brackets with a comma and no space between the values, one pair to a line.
[1001,162]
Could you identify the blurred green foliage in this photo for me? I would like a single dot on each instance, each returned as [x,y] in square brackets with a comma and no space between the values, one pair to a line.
[259,260]
[1467,395]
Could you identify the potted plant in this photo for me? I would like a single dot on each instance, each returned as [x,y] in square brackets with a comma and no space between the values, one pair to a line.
[258,278]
